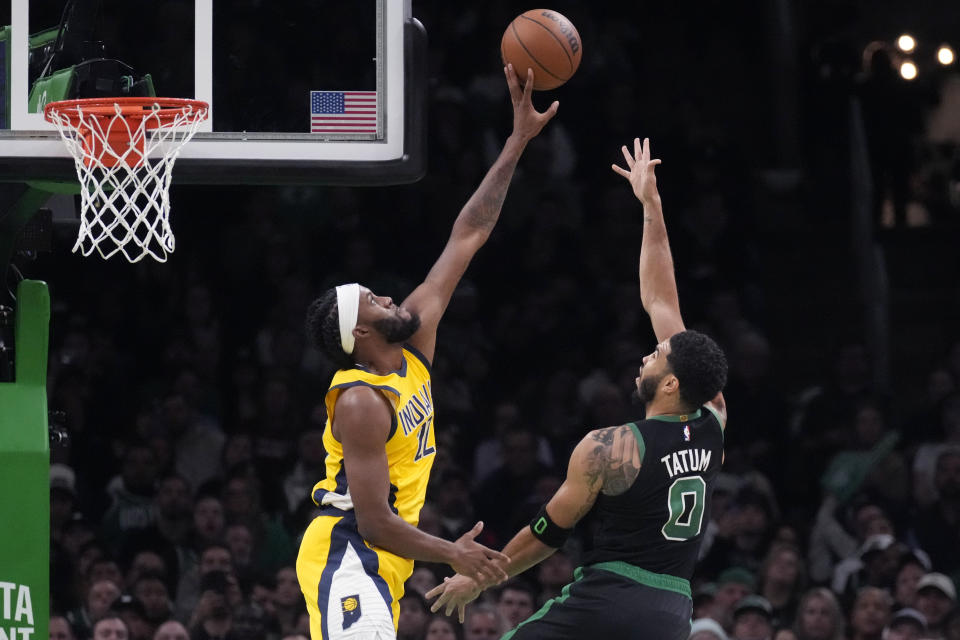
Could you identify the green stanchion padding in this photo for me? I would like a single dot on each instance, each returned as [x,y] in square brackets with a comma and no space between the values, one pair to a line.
[25,474]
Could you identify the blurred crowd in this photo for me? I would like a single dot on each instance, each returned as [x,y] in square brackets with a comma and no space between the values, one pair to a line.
[194,407]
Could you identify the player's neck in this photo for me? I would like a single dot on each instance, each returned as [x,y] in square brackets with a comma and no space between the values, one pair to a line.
[665,407]
[384,359]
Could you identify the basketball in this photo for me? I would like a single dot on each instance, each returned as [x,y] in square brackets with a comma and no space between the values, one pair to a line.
[545,41]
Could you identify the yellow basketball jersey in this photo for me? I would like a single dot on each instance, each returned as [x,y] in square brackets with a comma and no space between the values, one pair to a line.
[410,445]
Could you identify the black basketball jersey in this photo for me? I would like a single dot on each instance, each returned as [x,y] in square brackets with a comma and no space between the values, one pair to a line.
[658,523]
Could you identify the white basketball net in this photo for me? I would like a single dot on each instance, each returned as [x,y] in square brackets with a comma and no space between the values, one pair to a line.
[125,189]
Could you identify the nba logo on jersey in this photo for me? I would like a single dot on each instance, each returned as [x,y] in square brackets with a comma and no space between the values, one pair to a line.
[686,433]
[351,610]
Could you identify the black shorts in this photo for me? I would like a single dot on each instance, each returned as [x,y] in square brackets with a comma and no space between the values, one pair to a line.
[617,602]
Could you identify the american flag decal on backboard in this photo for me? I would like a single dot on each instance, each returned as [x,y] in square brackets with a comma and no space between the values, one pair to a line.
[343,112]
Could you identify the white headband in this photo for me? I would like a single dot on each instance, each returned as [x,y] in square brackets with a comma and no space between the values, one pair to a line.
[348,305]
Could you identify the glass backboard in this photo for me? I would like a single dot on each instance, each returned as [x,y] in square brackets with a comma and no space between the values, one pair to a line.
[300,91]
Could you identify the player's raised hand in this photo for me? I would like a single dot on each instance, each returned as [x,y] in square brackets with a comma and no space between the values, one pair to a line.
[455,593]
[527,121]
[640,170]
[476,561]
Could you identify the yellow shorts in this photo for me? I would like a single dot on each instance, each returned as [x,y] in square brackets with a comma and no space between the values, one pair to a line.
[352,588]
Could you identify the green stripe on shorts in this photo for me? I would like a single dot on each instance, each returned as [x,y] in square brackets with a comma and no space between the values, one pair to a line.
[649,578]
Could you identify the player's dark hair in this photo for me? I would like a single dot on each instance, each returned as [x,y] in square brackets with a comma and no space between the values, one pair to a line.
[323,329]
[700,367]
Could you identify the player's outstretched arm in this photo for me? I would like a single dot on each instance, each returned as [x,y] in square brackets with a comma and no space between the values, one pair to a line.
[606,460]
[478,216]
[362,424]
[658,286]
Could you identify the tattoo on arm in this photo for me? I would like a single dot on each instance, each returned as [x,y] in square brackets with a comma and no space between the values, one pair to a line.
[483,209]
[614,461]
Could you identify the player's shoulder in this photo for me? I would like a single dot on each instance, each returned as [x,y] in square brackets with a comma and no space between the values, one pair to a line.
[358,398]
[606,436]
[718,407]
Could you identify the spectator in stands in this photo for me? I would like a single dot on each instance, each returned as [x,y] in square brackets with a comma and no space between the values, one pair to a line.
[414,616]
[906,624]
[208,528]
[212,617]
[870,614]
[423,578]
[239,539]
[145,562]
[554,573]
[152,593]
[752,619]
[501,495]
[444,628]
[455,509]
[832,542]
[781,581]
[63,498]
[215,557]
[134,617]
[913,566]
[488,455]
[819,616]
[937,527]
[745,542]
[96,603]
[197,439]
[877,567]
[242,503]
[483,622]
[936,595]
[946,436]
[515,601]
[131,495]
[307,470]
[110,626]
[59,628]
[707,629]
[171,630]
[733,585]
[288,600]
[870,463]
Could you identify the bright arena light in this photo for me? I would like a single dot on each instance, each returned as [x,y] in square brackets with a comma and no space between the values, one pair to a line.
[906,43]
[945,55]
[908,70]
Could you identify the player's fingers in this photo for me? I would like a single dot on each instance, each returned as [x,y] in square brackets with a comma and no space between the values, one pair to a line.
[552,110]
[437,590]
[460,611]
[496,555]
[513,84]
[654,162]
[646,147]
[528,88]
[620,171]
[627,156]
[477,528]
[637,149]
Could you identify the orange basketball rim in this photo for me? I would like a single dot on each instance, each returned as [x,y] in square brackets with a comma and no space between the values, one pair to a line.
[117,129]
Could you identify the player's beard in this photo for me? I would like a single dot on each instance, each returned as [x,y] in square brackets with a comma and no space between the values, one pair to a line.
[397,329]
[647,389]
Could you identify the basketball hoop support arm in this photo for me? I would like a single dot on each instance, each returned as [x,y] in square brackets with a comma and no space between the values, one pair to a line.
[18,203]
